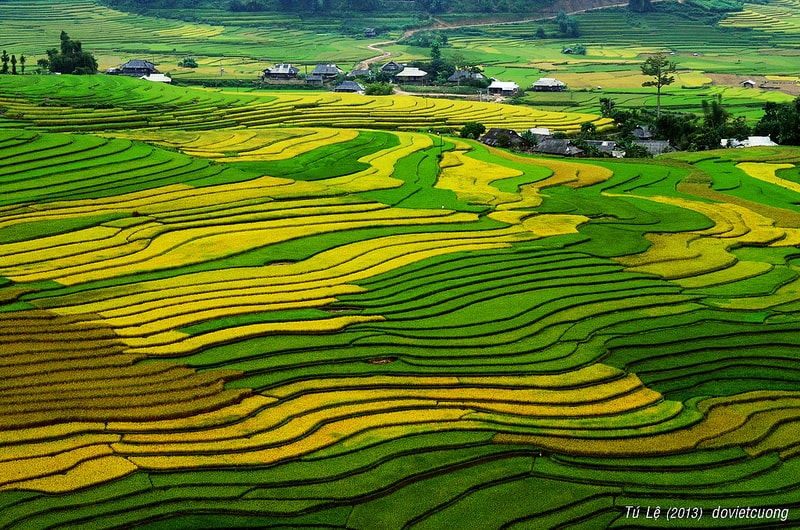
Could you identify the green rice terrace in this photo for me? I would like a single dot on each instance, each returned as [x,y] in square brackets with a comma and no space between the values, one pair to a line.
[213,318]
[314,310]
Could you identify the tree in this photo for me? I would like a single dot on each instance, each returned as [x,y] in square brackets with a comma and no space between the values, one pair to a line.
[567,25]
[530,138]
[472,129]
[781,122]
[71,59]
[606,107]
[634,150]
[436,51]
[13,64]
[22,60]
[640,6]
[660,69]
[379,89]
[588,130]
[677,129]
[188,62]
[4,58]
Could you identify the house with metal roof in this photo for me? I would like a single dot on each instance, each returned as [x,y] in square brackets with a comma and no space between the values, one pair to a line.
[157,78]
[503,88]
[410,74]
[282,71]
[548,84]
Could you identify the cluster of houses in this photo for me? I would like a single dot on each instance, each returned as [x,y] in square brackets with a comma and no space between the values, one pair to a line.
[325,73]
[547,144]
[400,74]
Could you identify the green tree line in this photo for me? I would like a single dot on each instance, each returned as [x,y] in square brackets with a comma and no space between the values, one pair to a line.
[6,59]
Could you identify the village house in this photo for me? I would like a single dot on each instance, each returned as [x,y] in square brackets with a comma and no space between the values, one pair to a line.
[607,147]
[282,71]
[503,88]
[366,74]
[157,78]
[327,71]
[643,132]
[464,75]
[540,133]
[499,137]
[349,86]
[750,141]
[138,68]
[558,146]
[392,67]
[748,83]
[548,84]
[655,147]
[370,32]
[410,74]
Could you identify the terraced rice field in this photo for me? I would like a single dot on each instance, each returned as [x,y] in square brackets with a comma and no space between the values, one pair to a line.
[60,104]
[779,17]
[227,310]
[31,28]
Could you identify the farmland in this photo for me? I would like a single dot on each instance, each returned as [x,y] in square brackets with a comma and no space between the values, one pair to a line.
[304,309]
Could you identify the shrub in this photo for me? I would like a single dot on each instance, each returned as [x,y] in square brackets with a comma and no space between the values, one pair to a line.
[379,89]
[472,129]
[188,62]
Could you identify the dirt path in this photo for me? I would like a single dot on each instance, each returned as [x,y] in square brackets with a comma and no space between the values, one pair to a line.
[376,47]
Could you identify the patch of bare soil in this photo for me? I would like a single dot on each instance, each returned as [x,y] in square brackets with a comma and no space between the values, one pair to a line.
[787,87]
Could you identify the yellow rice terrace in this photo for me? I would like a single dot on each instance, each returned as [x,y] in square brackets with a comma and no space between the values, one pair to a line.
[223,310]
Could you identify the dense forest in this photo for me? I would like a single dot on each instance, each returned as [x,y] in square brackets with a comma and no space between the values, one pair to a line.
[709,10]
[343,6]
